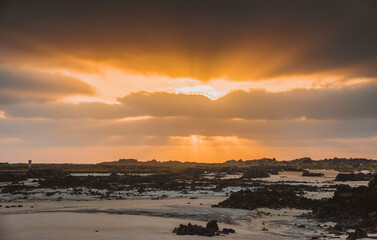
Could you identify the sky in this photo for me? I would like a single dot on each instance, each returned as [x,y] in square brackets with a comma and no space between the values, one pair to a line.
[207,81]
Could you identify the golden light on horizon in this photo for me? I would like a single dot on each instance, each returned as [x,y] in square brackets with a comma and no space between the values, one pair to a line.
[179,82]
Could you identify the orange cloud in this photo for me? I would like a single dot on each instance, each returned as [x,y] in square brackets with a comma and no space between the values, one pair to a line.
[238,41]
[350,102]
[19,85]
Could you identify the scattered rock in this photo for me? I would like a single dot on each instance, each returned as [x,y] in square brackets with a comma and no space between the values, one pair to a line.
[211,229]
[350,207]
[353,177]
[307,173]
[359,233]
[48,194]
[267,197]
[256,173]
[212,226]
[227,231]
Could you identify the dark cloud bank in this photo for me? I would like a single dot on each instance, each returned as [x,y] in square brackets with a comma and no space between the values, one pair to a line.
[353,102]
[239,40]
[20,86]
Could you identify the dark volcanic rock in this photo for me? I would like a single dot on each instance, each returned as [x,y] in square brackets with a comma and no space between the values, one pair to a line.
[267,197]
[359,233]
[353,177]
[212,226]
[46,173]
[256,173]
[350,207]
[307,173]
[211,229]
[16,188]
[227,231]
[192,230]
[12,177]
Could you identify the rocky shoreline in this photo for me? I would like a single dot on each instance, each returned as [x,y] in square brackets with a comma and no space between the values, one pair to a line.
[211,229]
[250,189]
[350,208]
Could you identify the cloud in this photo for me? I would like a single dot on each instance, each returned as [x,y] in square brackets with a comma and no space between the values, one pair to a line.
[157,131]
[237,40]
[352,102]
[17,85]
[183,138]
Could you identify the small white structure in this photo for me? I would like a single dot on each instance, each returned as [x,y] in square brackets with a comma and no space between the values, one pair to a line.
[29,165]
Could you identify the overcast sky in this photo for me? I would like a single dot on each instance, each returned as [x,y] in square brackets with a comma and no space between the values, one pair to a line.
[209,80]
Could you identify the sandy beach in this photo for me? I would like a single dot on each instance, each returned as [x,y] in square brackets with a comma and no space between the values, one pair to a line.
[131,219]
[146,215]
[172,119]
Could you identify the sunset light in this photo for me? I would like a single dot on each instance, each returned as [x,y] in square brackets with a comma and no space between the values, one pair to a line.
[188,119]
[140,77]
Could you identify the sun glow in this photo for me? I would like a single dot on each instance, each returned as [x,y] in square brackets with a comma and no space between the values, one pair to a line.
[211,148]
[2,115]
[111,83]
[207,91]
[136,118]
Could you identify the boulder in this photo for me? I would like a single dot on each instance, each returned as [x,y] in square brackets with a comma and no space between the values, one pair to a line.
[359,233]
[211,229]
[274,197]
[228,230]
[307,173]
[353,177]
[212,226]
[349,207]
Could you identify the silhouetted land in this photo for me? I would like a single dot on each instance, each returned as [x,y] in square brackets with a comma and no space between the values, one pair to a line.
[153,166]
[248,185]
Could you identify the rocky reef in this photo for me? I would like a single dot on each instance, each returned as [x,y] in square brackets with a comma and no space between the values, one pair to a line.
[353,177]
[270,197]
[211,229]
[350,208]
[307,173]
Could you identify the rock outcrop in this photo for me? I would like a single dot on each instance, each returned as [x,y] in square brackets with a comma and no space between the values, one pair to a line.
[211,229]
[307,173]
[267,197]
[353,177]
[350,207]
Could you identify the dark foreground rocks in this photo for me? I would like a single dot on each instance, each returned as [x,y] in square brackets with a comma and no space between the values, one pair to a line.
[350,208]
[12,177]
[267,197]
[211,229]
[256,173]
[261,172]
[358,234]
[307,173]
[353,177]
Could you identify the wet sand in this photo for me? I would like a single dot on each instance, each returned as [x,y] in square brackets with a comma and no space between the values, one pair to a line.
[146,219]
[141,217]
[110,220]
[100,226]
